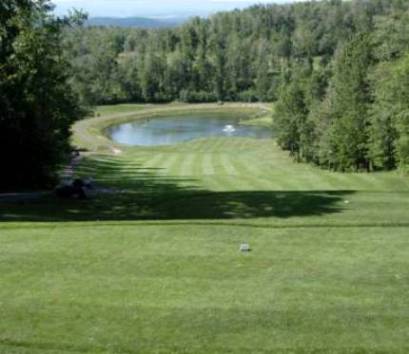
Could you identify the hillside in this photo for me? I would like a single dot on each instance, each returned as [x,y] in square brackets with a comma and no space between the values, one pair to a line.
[134,22]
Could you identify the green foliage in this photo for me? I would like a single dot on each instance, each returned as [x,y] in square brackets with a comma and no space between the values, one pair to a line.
[239,55]
[390,122]
[349,110]
[383,133]
[37,103]
[197,96]
[290,116]
[349,101]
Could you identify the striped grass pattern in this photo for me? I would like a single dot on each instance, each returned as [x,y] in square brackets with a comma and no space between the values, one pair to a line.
[154,267]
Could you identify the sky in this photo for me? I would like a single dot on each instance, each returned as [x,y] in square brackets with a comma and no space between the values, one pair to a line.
[154,8]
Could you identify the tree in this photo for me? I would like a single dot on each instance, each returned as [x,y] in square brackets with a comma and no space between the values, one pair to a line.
[290,115]
[37,103]
[390,115]
[349,101]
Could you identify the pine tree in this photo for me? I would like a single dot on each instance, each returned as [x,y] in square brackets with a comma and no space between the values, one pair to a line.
[349,100]
[290,116]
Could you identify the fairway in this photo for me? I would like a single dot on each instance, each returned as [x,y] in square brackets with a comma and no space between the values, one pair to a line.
[152,264]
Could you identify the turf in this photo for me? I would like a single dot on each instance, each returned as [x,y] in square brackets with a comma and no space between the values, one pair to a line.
[108,110]
[155,266]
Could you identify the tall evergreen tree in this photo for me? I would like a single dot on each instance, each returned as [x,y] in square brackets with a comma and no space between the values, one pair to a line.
[390,115]
[349,102]
[290,116]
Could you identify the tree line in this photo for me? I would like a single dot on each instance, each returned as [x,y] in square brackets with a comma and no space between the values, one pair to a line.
[351,113]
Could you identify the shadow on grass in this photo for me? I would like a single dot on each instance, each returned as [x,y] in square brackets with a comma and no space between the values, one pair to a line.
[135,193]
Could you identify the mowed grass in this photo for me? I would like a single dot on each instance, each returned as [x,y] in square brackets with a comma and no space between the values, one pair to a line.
[155,268]
[118,109]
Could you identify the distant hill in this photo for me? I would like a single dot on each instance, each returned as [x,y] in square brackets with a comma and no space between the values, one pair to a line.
[139,22]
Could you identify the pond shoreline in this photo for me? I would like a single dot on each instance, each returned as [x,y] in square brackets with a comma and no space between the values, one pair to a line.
[90,134]
[180,128]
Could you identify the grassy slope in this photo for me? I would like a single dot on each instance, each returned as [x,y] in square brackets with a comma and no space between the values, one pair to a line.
[264,121]
[263,118]
[328,270]
[118,109]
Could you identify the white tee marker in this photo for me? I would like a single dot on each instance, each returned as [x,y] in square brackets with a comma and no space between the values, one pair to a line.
[245,247]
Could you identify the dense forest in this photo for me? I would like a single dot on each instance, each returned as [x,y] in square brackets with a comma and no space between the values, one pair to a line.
[337,71]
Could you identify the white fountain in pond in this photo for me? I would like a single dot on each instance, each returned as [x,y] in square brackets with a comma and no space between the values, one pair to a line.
[229,129]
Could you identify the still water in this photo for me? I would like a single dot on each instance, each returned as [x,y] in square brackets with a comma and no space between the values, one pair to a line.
[172,130]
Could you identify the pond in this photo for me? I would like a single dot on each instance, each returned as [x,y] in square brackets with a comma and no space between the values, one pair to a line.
[176,129]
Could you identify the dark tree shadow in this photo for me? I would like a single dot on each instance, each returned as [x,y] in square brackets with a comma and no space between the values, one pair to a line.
[135,193]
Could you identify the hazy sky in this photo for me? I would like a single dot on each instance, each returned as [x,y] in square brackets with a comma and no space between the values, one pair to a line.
[154,8]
